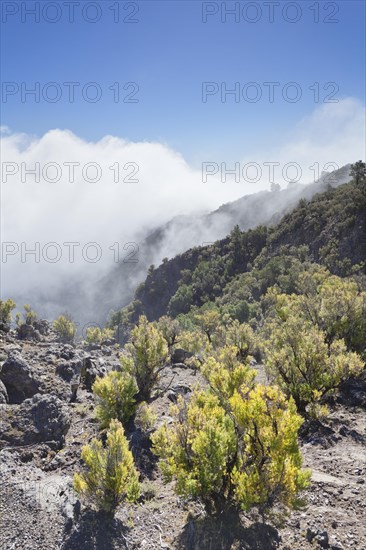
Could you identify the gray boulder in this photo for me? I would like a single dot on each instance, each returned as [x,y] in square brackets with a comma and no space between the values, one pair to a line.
[68,370]
[18,378]
[43,326]
[28,332]
[175,392]
[89,371]
[180,355]
[41,419]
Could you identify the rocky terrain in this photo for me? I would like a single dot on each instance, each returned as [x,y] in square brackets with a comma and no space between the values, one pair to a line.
[47,415]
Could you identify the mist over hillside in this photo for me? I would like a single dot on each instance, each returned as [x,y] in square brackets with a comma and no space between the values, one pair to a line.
[89,295]
[116,289]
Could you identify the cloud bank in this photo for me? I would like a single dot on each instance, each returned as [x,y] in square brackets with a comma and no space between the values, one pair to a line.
[63,190]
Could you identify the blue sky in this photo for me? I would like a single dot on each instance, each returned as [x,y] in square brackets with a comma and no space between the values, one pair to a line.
[169,53]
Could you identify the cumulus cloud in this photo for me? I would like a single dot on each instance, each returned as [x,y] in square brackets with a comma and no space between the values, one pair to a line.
[62,189]
[331,136]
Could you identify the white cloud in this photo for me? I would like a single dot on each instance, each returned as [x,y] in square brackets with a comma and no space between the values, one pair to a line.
[107,212]
[333,134]
[5,130]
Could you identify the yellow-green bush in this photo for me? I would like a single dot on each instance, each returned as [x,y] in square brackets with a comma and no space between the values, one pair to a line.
[110,476]
[170,329]
[195,451]
[95,335]
[5,313]
[115,395]
[145,356]
[65,328]
[241,335]
[29,315]
[145,417]
[209,322]
[268,465]
[225,373]
[299,359]
[246,452]
[194,341]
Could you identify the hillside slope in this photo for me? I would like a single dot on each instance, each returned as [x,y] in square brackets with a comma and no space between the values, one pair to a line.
[331,227]
[184,232]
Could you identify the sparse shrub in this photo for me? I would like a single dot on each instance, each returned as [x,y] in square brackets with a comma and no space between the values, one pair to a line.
[145,417]
[65,328]
[29,315]
[110,476]
[209,321]
[268,464]
[145,356]
[226,374]
[247,454]
[194,342]
[335,305]
[241,335]
[5,313]
[195,451]
[299,360]
[170,329]
[115,397]
[95,335]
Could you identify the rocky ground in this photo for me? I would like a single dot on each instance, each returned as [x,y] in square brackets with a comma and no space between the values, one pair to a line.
[44,424]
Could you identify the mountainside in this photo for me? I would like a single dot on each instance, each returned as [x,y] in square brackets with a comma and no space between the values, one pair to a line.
[93,291]
[331,227]
[181,233]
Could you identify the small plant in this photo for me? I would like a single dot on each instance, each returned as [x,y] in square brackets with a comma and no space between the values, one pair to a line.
[246,452]
[304,365]
[145,357]
[145,417]
[65,328]
[110,476]
[148,490]
[241,335]
[5,313]
[95,335]
[209,322]
[225,373]
[29,315]
[170,329]
[115,397]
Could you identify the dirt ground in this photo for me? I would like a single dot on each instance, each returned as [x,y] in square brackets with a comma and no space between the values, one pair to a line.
[39,509]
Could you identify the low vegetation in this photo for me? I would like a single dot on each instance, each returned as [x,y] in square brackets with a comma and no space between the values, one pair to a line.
[65,328]
[110,476]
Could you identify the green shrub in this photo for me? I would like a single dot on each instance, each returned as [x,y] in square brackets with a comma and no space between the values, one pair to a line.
[110,475]
[5,313]
[299,360]
[170,329]
[95,335]
[246,452]
[145,356]
[65,328]
[145,417]
[241,335]
[29,315]
[226,374]
[115,395]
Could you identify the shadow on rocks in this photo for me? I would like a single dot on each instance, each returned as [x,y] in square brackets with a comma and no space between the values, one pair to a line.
[96,531]
[223,531]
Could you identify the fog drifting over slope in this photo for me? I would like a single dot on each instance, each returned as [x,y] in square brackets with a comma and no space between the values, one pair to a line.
[76,210]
